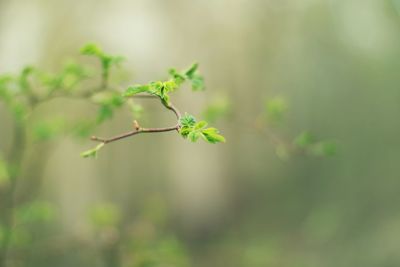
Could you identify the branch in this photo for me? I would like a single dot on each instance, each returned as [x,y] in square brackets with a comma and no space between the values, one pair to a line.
[139,130]
[134,132]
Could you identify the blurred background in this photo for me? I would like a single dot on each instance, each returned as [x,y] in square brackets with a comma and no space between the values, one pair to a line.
[159,200]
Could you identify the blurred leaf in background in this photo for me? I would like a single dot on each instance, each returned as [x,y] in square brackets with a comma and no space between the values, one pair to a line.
[308,142]
[4,175]
[276,109]
[36,212]
[219,108]
[104,215]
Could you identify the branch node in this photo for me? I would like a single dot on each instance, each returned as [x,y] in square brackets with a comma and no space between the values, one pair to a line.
[136,125]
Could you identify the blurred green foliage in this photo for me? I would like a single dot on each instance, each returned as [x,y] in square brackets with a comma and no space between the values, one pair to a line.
[276,109]
[104,215]
[35,212]
[334,66]
[307,142]
[219,108]
[4,176]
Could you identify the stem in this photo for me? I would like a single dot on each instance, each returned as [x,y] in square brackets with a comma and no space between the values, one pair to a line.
[105,74]
[134,132]
[139,130]
[16,156]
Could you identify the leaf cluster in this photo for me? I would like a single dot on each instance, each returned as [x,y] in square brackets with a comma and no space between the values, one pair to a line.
[193,130]
[309,143]
[162,89]
[191,74]
[107,61]
[21,93]
[276,109]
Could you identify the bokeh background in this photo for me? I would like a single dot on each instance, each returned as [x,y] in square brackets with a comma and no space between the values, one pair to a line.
[158,200]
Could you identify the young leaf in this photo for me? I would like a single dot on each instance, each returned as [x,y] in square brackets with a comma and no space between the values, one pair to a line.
[304,140]
[197,83]
[105,112]
[192,70]
[194,136]
[170,86]
[5,94]
[92,153]
[194,130]
[212,136]
[276,108]
[178,77]
[219,108]
[136,89]
[117,60]
[36,212]
[324,148]
[47,130]
[91,50]
[136,109]
[187,120]
[105,215]
[82,128]
[200,125]
[196,79]
[24,79]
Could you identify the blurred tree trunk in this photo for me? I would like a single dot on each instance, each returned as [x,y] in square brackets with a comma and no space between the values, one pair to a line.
[7,205]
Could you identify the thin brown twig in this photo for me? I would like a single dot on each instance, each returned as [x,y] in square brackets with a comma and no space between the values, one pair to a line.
[134,132]
[140,130]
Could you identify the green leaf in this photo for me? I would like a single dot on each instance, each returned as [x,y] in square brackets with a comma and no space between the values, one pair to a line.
[105,112]
[47,130]
[192,70]
[136,89]
[304,140]
[92,153]
[200,125]
[219,108]
[83,128]
[116,100]
[170,86]
[137,110]
[105,215]
[184,131]
[19,111]
[324,148]
[108,101]
[36,212]
[194,130]
[117,60]
[178,77]
[5,79]
[197,83]
[92,49]
[276,108]
[106,60]
[73,74]
[212,136]
[5,93]
[24,79]
[196,79]
[194,136]
[187,120]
